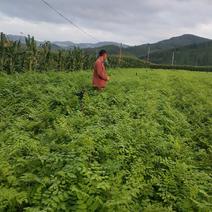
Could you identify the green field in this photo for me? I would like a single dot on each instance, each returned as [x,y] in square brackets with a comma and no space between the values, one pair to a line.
[144,144]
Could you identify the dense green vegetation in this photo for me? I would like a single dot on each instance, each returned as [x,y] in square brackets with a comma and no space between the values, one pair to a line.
[144,144]
[16,57]
[180,67]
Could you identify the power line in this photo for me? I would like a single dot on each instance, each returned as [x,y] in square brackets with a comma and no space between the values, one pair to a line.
[68,20]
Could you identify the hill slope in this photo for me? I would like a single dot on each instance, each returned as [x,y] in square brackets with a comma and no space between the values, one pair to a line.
[197,55]
[141,50]
[174,42]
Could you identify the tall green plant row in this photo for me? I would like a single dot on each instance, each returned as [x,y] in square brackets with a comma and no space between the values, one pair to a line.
[17,57]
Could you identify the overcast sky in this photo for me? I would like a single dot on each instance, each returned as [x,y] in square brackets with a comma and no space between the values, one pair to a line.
[126,21]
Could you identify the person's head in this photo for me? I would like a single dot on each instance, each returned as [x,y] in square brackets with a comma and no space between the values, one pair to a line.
[103,54]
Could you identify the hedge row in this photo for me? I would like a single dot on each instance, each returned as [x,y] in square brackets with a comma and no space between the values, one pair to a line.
[180,67]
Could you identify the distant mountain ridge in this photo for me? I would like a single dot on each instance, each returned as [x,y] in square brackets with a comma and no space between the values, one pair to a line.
[67,44]
[141,50]
[195,55]
[189,49]
[175,42]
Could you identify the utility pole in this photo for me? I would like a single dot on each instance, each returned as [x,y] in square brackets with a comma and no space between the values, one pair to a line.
[148,53]
[173,57]
[96,53]
[120,53]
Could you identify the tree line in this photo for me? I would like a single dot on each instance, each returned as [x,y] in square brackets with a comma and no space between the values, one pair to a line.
[17,57]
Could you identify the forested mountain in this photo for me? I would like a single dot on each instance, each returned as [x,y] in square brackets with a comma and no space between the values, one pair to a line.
[188,49]
[196,54]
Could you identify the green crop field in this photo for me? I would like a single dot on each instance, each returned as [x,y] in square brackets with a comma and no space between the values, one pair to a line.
[144,144]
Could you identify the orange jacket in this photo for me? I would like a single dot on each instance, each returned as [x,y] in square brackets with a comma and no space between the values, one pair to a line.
[100,77]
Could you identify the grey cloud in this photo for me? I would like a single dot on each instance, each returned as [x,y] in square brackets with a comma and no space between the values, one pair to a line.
[124,18]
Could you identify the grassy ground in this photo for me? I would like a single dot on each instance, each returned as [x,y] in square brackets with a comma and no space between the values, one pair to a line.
[144,144]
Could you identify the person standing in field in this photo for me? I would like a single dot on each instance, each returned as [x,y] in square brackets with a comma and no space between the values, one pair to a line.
[100,76]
